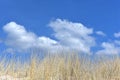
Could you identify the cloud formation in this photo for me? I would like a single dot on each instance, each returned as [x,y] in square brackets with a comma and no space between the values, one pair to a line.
[74,36]
[100,33]
[20,39]
[109,48]
[69,36]
[117,42]
[117,35]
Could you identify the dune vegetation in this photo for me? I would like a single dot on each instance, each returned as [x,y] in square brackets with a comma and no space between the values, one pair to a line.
[61,67]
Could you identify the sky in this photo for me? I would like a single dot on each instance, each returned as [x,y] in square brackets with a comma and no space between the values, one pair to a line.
[85,26]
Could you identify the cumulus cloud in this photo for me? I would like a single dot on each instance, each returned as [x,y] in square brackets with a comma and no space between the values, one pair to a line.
[19,38]
[117,35]
[74,36]
[100,33]
[69,36]
[109,48]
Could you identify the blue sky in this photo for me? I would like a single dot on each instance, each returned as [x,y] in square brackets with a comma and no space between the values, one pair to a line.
[41,16]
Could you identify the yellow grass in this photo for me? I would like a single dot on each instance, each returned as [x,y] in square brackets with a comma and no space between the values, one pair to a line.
[61,67]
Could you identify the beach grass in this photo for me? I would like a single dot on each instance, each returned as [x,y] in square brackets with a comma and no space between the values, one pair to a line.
[68,66]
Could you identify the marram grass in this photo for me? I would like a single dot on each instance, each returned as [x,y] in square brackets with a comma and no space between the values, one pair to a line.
[61,67]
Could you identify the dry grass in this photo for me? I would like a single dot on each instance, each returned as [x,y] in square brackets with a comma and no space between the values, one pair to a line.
[61,67]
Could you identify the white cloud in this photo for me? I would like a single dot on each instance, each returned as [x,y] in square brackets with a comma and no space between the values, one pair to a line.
[117,42]
[74,36]
[100,33]
[69,36]
[20,39]
[109,48]
[117,35]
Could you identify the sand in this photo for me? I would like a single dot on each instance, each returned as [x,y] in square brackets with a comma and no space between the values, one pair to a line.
[8,77]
